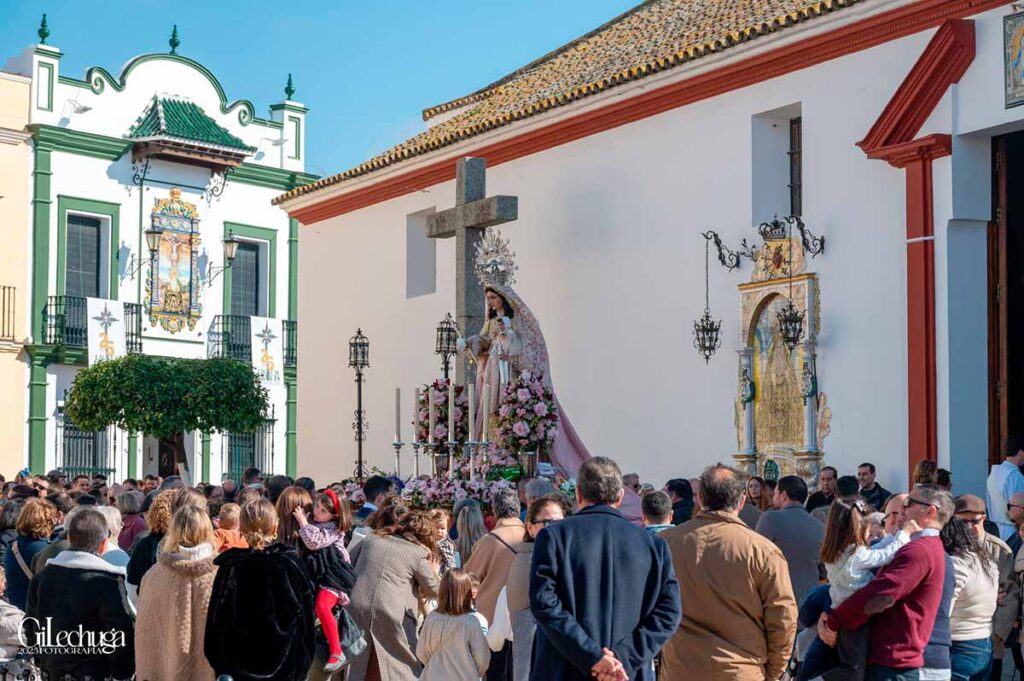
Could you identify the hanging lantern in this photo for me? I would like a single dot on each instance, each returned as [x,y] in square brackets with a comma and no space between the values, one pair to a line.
[706,335]
[706,330]
[791,325]
[791,320]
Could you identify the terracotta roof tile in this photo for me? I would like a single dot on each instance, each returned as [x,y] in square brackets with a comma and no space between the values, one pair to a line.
[653,36]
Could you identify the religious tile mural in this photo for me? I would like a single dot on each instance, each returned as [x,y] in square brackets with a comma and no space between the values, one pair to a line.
[173,284]
[1013,50]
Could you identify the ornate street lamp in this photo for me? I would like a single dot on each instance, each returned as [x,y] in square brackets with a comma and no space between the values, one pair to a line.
[359,359]
[447,335]
[706,331]
[230,251]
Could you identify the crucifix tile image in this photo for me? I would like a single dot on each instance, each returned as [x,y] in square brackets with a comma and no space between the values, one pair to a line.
[472,214]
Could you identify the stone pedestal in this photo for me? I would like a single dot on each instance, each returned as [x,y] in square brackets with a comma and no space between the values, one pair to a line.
[808,466]
[746,462]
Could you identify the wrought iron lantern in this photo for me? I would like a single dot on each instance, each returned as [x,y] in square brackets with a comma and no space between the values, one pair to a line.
[791,324]
[445,343]
[153,235]
[706,338]
[359,351]
[230,248]
[791,320]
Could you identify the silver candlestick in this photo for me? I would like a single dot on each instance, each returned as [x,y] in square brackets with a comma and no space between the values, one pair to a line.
[416,457]
[398,444]
[452,448]
[429,449]
[471,456]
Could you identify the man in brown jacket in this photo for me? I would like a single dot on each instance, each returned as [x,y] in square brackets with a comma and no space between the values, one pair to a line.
[491,559]
[739,614]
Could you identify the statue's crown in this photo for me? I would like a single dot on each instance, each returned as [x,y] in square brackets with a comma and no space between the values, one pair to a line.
[495,261]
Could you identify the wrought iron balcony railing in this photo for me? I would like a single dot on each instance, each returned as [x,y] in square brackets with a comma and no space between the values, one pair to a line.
[291,343]
[231,336]
[65,323]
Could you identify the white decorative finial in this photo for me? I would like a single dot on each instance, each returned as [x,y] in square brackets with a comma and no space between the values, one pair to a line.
[495,261]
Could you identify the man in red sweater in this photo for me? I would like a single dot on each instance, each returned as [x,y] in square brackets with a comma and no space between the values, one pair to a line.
[903,597]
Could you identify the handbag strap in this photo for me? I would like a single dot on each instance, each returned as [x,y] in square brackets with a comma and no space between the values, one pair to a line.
[507,545]
[21,561]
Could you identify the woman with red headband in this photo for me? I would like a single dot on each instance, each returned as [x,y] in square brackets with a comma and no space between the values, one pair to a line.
[331,520]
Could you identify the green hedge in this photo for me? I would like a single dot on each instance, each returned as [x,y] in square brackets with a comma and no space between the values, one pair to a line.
[161,396]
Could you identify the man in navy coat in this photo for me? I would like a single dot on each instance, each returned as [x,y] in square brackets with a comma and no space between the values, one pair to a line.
[602,590]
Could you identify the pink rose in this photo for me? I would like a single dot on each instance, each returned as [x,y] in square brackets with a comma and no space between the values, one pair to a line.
[520,412]
[520,429]
[458,414]
[540,409]
[522,394]
[503,410]
[440,431]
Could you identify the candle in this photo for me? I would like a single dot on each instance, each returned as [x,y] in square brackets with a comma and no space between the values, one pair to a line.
[485,407]
[472,411]
[416,416]
[430,415]
[451,411]
[398,414]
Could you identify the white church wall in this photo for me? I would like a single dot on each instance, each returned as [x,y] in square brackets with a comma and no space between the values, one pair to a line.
[611,262]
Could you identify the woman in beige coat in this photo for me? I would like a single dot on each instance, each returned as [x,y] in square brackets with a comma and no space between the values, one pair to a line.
[394,567]
[173,602]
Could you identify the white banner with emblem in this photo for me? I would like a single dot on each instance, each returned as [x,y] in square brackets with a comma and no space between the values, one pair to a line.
[105,326]
[267,349]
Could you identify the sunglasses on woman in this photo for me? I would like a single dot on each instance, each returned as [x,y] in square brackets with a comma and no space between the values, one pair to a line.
[545,522]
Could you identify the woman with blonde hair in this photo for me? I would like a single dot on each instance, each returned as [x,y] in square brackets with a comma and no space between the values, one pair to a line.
[172,609]
[260,622]
[394,567]
[35,525]
[144,555]
[189,496]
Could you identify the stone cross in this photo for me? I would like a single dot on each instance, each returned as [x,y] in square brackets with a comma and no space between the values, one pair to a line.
[473,213]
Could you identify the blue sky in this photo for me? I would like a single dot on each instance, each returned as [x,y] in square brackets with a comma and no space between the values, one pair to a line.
[365,69]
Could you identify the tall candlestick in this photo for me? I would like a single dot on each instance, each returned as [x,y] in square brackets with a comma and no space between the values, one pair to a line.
[472,411]
[416,416]
[398,414]
[430,415]
[486,408]
[451,411]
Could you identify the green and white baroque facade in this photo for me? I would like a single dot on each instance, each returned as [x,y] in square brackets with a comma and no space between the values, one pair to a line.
[108,150]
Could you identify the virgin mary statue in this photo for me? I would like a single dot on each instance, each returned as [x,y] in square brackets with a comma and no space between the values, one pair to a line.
[509,344]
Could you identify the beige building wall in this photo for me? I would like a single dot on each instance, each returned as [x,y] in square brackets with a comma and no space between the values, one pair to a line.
[15,203]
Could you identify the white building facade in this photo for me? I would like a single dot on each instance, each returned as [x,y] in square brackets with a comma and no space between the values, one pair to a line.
[156,147]
[878,123]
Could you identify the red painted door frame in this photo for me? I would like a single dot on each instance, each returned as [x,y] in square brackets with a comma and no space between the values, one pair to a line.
[891,138]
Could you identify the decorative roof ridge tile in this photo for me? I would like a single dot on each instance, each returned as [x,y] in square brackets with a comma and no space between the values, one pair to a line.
[482,117]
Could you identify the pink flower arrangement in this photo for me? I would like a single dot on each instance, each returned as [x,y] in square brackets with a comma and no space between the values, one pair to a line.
[440,390]
[441,492]
[527,418]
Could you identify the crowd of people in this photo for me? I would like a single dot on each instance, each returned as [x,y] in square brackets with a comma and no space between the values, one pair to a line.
[731,577]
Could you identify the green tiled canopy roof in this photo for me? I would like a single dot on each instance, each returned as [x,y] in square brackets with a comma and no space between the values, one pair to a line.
[185,121]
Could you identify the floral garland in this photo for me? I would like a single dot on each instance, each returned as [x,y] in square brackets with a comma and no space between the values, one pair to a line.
[445,493]
[527,417]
